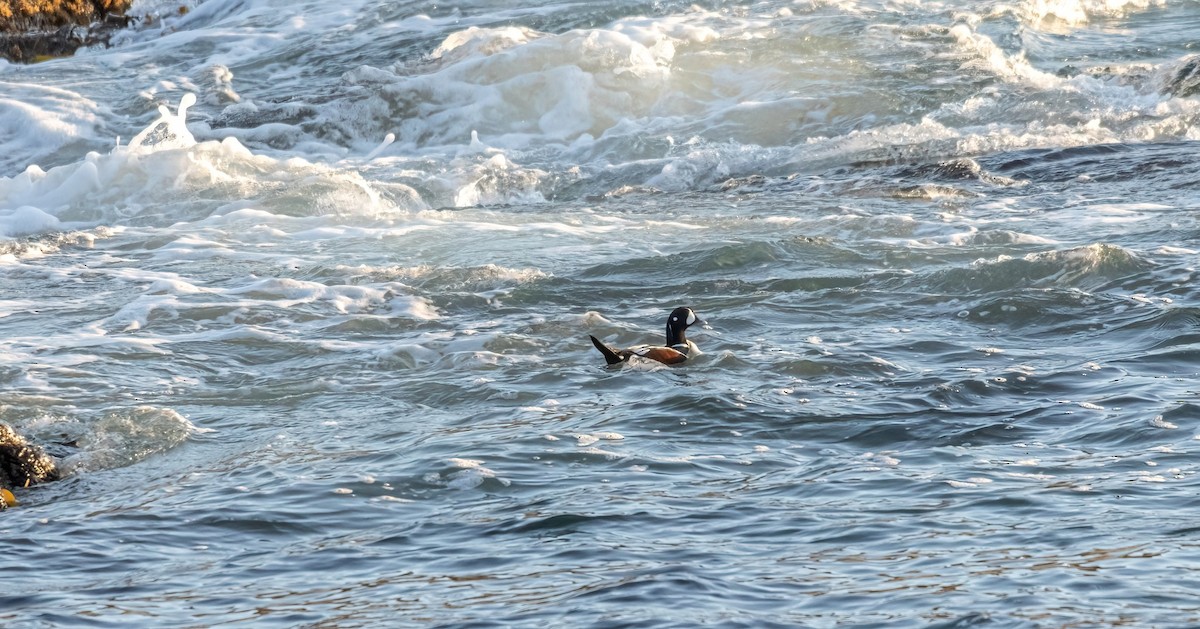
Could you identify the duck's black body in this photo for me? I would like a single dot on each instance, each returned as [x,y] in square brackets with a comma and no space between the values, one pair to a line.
[675,351]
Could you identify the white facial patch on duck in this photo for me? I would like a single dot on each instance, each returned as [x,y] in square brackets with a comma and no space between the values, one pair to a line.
[691,317]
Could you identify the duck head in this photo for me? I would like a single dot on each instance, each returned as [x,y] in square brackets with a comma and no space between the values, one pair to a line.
[678,322]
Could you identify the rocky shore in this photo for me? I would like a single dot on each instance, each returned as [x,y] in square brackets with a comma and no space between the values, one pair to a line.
[32,30]
[21,464]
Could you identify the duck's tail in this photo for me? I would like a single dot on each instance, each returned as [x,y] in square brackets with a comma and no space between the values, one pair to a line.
[610,356]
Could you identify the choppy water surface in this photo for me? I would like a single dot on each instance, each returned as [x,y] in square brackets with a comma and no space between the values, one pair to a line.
[320,375]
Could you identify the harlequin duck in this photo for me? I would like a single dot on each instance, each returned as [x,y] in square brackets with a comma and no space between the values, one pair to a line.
[676,350]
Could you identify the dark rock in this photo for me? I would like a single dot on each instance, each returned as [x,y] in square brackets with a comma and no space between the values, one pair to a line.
[22,15]
[38,46]
[33,30]
[21,463]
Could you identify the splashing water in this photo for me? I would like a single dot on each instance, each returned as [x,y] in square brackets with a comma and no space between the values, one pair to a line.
[946,255]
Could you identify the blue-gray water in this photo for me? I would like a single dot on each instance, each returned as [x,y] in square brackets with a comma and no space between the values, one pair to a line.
[946,255]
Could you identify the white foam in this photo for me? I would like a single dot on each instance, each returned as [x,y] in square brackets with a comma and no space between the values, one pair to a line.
[1160,422]
[168,131]
[989,57]
[549,87]
[26,220]
[471,474]
[477,42]
[1076,13]
[125,436]
[387,141]
[149,183]
[37,120]
[492,115]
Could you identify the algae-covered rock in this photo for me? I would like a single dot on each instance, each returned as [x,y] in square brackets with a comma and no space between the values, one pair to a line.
[31,30]
[23,15]
[21,463]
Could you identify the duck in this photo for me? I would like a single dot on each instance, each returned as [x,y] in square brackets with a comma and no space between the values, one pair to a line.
[675,351]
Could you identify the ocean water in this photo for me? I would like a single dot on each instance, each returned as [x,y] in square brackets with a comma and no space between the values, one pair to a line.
[300,293]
